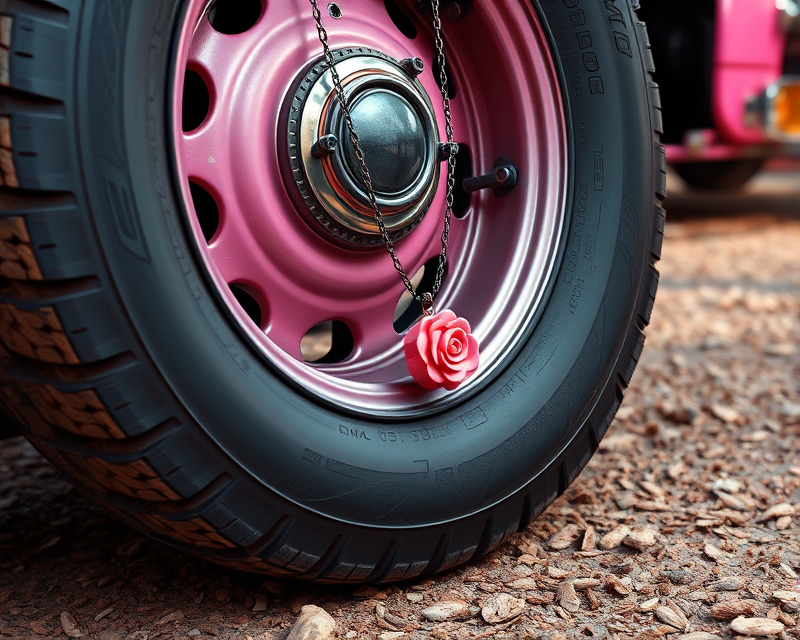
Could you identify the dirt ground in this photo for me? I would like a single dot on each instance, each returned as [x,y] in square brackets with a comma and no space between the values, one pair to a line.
[687,518]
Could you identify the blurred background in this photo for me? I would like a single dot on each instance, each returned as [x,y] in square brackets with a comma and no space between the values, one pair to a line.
[729,73]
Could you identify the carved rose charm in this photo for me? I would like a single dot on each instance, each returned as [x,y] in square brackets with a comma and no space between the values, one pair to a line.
[441,351]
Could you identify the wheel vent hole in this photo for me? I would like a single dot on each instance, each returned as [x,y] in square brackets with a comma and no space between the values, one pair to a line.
[248,302]
[196,101]
[206,209]
[401,20]
[327,343]
[408,310]
[462,201]
[235,16]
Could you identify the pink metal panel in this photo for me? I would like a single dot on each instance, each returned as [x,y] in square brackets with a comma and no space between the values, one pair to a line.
[748,57]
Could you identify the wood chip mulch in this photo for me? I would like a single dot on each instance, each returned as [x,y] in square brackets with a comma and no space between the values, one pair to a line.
[686,524]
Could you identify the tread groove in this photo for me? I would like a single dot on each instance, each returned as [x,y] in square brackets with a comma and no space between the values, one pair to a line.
[271,541]
[526,516]
[66,377]
[176,509]
[384,565]
[437,557]
[112,450]
[328,561]
[486,538]
[27,294]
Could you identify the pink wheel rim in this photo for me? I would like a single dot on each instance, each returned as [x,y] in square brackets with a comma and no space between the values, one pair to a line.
[503,253]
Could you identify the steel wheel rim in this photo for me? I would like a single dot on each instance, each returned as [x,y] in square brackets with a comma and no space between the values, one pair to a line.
[503,253]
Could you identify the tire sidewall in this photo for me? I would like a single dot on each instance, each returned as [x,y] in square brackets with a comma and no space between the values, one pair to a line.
[352,469]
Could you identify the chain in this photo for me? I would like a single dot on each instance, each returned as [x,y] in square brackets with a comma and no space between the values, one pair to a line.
[426,300]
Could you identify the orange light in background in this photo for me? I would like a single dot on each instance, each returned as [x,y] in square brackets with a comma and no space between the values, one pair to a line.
[786,110]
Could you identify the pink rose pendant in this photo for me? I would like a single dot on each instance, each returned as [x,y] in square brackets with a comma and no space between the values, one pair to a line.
[441,351]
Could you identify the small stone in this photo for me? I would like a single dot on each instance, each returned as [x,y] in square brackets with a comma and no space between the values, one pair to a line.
[526,559]
[698,635]
[641,539]
[49,544]
[653,489]
[668,616]
[777,511]
[786,596]
[130,548]
[393,635]
[791,573]
[524,584]
[194,632]
[567,597]
[756,436]
[614,537]
[679,415]
[103,614]
[757,626]
[616,586]
[780,350]
[447,610]
[679,576]
[649,605]
[564,538]
[175,616]
[728,583]
[502,607]
[365,592]
[69,625]
[260,603]
[414,597]
[314,623]
[784,522]
[586,583]
[541,597]
[738,502]
[731,609]
[625,499]
[589,539]
[528,548]
[557,572]
[730,485]
[726,414]
[716,554]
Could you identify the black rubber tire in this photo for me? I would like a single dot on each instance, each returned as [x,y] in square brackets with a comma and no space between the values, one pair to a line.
[719,176]
[126,372]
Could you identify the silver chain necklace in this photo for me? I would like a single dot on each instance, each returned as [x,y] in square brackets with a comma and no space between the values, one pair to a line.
[426,300]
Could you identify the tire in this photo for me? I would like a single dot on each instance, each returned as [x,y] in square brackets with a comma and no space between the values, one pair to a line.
[128,368]
[719,176]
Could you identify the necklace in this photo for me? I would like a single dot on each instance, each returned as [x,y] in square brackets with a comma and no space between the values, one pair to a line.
[440,350]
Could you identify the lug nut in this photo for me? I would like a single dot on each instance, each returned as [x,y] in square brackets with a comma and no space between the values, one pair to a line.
[413,66]
[444,150]
[325,146]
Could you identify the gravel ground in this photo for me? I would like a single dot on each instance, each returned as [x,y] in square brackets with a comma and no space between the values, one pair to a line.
[686,522]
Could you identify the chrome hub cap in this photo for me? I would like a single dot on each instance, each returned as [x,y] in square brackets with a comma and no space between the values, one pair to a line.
[396,124]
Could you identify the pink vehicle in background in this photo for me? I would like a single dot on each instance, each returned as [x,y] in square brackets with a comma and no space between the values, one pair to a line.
[729,72]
